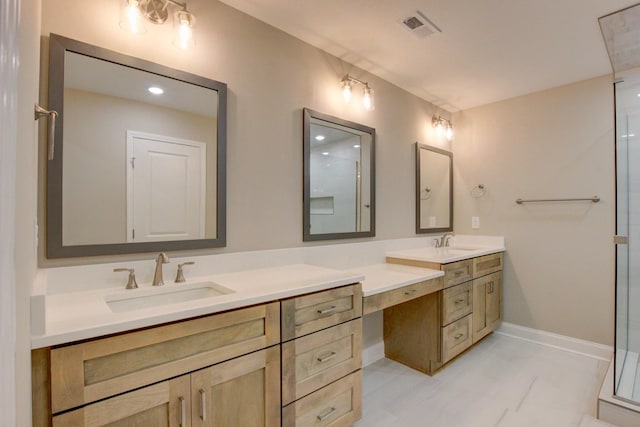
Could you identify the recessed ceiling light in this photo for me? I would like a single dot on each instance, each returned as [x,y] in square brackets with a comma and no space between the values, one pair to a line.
[156,90]
[320,138]
[326,153]
[356,146]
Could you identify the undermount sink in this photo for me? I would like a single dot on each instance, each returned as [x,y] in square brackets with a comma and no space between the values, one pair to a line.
[137,299]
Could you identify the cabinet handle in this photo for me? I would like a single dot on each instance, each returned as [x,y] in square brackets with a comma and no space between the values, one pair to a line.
[458,273]
[203,404]
[183,412]
[410,292]
[490,287]
[326,357]
[458,336]
[327,310]
[458,301]
[323,416]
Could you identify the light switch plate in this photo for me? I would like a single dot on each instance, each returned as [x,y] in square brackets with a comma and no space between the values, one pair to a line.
[475,222]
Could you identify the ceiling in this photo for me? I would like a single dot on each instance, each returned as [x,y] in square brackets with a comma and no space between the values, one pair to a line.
[487,51]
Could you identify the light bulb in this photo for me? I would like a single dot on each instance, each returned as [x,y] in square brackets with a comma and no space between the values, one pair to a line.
[367,99]
[449,132]
[439,128]
[131,17]
[184,24]
[346,90]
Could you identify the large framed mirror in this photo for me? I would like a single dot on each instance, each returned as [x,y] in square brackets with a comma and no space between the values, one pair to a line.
[434,189]
[140,155]
[339,178]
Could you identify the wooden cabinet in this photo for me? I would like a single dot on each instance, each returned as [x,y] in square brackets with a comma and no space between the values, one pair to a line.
[321,363]
[393,297]
[221,370]
[429,331]
[244,391]
[487,305]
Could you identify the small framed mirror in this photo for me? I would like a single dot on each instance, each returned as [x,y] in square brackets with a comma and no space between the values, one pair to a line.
[434,189]
[339,178]
[140,151]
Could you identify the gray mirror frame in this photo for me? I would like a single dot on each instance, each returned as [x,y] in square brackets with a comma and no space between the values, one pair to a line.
[58,45]
[308,114]
[449,154]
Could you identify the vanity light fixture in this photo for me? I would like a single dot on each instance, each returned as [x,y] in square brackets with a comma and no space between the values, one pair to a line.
[347,83]
[443,126]
[132,13]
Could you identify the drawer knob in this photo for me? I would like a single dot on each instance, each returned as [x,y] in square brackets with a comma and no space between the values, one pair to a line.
[458,336]
[326,414]
[327,310]
[326,357]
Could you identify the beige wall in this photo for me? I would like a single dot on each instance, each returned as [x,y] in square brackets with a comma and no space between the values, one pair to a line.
[559,269]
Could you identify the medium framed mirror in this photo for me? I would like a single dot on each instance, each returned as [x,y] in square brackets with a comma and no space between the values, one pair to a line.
[434,189]
[339,178]
[140,155]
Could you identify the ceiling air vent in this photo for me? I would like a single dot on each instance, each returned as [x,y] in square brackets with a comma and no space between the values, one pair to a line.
[420,25]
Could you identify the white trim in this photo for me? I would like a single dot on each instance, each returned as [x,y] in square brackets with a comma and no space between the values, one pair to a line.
[562,342]
[372,353]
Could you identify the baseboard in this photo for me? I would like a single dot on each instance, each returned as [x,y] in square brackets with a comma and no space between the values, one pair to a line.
[562,342]
[372,353]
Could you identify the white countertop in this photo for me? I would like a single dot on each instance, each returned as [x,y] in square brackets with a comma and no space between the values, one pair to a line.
[447,254]
[386,277]
[81,315]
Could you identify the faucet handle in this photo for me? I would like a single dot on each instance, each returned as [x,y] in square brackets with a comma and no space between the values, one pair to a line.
[446,241]
[437,242]
[180,274]
[131,283]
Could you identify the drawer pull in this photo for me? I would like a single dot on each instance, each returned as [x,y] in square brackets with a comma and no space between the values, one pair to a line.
[458,336]
[327,310]
[458,301]
[458,273]
[411,292]
[326,414]
[183,412]
[326,357]
[203,404]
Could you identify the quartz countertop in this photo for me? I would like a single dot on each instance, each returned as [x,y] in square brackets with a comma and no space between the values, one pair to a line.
[82,315]
[458,251]
[386,277]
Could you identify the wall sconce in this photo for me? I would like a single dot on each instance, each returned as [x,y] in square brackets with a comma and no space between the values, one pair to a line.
[443,126]
[347,83]
[134,13]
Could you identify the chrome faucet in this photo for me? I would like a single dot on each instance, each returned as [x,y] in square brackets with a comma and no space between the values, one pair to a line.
[157,276]
[444,240]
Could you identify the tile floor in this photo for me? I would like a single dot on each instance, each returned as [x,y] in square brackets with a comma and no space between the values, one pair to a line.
[500,382]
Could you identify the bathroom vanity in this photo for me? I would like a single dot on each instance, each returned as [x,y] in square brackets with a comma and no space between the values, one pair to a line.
[222,368]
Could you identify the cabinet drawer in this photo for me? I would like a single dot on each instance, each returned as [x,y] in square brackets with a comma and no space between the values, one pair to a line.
[457,272]
[396,296]
[338,404]
[457,302]
[310,313]
[487,264]
[92,370]
[313,361]
[456,338]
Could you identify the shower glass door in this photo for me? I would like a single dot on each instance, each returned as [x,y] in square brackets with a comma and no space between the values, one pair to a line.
[627,347]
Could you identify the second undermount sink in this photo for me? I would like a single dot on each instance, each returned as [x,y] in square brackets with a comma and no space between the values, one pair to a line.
[137,299]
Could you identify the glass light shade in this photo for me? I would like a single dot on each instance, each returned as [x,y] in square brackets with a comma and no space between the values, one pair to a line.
[131,17]
[367,99]
[346,90]
[184,30]
[449,132]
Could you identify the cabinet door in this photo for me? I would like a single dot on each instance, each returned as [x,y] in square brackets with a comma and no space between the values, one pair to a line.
[166,404]
[241,392]
[487,301]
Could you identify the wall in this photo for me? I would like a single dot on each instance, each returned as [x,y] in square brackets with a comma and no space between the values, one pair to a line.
[271,76]
[559,268]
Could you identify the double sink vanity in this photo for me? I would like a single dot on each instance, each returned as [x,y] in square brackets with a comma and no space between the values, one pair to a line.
[288,339]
